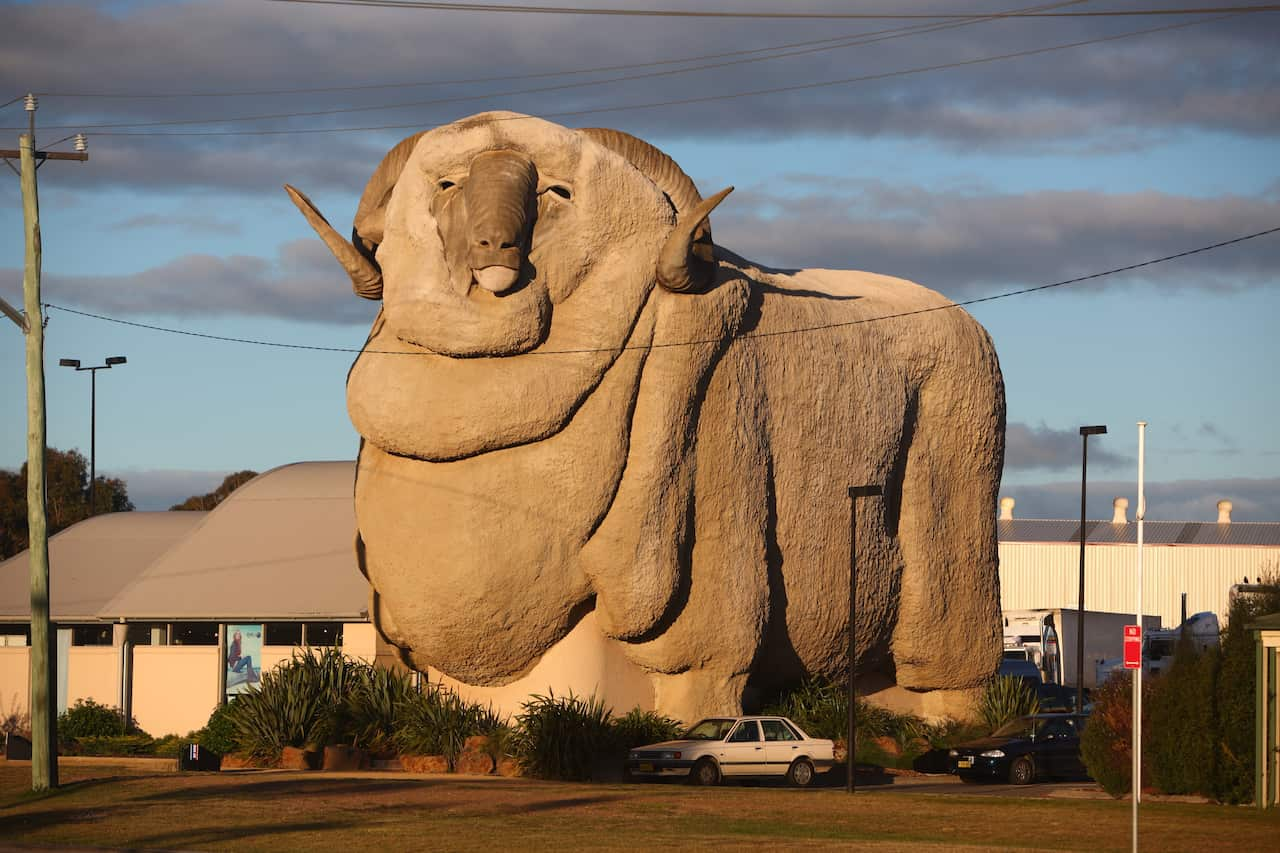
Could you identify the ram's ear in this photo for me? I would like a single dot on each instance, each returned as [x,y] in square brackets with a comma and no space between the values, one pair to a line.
[366,277]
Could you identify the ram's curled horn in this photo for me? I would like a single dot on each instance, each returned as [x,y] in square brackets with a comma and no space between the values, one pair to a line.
[686,262]
[366,278]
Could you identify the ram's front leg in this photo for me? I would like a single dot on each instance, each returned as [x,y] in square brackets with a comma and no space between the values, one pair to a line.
[947,531]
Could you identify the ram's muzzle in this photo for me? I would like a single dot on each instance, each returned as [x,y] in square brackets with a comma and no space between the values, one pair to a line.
[494,209]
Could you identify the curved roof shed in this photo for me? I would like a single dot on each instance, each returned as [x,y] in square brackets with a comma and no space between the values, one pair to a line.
[91,561]
[279,548]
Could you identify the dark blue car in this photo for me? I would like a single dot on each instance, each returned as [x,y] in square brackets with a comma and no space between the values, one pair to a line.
[1024,750]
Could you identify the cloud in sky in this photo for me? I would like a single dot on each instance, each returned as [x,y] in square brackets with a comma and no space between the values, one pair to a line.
[302,282]
[194,224]
[1045,448]
[1253,499]
[1226,75]
[968,243]
[964,243]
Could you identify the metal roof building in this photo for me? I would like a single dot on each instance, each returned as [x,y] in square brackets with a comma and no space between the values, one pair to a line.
[1040,562]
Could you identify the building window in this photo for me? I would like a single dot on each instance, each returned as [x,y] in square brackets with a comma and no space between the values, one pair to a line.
[195,633]
[324,633]
[146,634]
[282,634]
[91,635]
[15,635]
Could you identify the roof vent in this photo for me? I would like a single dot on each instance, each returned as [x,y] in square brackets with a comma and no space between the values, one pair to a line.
[1120,511]
[1224,512]
[1006,509]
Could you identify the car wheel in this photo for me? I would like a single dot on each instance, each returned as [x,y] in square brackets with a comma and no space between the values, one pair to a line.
[801,773]
[705,772]
[1022,772]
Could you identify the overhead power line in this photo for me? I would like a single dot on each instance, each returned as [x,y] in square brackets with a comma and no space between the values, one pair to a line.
[418,125]
[662,345]
[852,41]
[810,16]
[836,42]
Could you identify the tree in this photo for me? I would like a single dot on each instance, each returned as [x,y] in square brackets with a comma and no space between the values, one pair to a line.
[1236,686]
[203,503]
[1180,744]
[66,497]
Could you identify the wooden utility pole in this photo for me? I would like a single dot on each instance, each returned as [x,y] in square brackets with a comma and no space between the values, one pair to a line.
[44,754]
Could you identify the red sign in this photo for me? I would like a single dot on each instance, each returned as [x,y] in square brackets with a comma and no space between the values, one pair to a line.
[1132,646]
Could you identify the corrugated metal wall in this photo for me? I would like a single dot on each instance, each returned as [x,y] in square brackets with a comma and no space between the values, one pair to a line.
[1034,575]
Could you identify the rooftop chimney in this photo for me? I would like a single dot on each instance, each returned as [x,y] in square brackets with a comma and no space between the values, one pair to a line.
[1006,509]
[1224,512]
[1120,511]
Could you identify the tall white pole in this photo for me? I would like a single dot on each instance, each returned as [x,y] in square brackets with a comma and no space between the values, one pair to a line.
[1137,673]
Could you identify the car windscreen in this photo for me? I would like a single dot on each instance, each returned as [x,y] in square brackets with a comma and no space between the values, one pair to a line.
[715,729]
[1021,727]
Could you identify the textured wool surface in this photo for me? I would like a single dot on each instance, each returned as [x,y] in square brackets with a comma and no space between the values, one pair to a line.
[676,461]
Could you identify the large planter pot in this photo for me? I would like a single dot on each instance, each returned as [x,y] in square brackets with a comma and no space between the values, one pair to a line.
[424,763]
[297,758]
[345,758]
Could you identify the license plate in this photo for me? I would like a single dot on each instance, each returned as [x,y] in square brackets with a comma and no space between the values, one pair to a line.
[965,762]
[646,767]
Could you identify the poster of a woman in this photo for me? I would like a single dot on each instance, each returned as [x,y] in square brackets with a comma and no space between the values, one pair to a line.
[244,657]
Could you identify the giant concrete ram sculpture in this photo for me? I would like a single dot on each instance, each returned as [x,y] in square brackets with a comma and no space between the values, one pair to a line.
[573,400]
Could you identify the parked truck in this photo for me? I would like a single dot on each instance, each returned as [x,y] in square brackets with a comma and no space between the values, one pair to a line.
[1047,638]
[1159,645]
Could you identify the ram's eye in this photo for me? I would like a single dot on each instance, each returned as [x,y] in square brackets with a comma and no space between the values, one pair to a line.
[444,185]
[563,192]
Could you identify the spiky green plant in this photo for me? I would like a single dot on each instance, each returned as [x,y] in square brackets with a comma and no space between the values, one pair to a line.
[300,703]
[637,728]
[1004,698]
[437,721]
[560,736]
[372,705]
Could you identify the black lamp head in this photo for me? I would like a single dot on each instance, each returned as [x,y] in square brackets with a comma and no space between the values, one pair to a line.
[1093,430]
[68,362]
[119,359]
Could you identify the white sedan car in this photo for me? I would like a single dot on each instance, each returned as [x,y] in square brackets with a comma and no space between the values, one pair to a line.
[736,746]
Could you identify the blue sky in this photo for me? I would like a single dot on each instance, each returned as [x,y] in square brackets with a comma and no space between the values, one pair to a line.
[973,180]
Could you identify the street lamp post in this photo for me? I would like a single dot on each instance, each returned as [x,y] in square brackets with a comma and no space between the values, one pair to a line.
[1085,432]
[93,419]
[855,492]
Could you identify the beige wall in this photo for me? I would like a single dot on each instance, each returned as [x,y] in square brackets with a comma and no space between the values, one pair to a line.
[93,672]
[360,640]
[1046,575]
[585,662]
[15,689]
[175,688]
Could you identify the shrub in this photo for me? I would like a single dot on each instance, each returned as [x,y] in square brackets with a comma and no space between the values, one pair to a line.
[300,703]
[16,720]
[1106,744]
[1179,746]
[637,728]
[559,737]
[87,719]
[371,708]
[1234,697]
[437,722]
[219,734]
[821,708]
[1006,697]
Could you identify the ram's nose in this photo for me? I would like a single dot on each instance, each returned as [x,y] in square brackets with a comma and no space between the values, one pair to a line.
[494,246]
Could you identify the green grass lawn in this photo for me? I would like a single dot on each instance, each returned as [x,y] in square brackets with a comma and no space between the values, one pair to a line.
[119,806]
